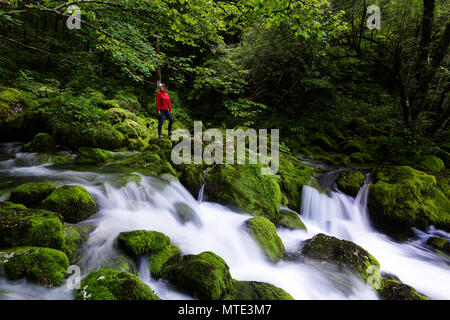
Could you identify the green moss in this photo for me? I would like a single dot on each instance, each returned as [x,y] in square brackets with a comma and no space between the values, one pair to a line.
[142,242]
[253,290]
[431,164]
[32,193]
[147,163]
[294,175]
[93,155]
[108,104]
[402,197]
[43,266]
[244,186]
[323,142]
[265,234]
[444,155]
[74,203]
[75,237]
[54,158]
[205,275]
[395,290]
[342,253]
[185,213]
[12,101]
[136,144]
[168,255]
[191,177]
[21,226]
[132,129]
[350,182]
[42,142]
[291,220]
[441,244]
[104,284]
[118,115]
[353,146]
[359,157]
[121,262]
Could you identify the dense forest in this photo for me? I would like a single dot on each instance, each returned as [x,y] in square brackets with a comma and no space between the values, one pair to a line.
[359,91]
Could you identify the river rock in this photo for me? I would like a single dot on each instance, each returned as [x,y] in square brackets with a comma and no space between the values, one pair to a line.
[74,203]
[350,182]
[31,194]
[43,266]
[104,284]
[254,290]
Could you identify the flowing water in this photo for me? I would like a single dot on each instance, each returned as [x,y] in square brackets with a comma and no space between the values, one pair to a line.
[152,205]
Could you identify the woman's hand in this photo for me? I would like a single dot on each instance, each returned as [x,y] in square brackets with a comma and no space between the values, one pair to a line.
[159,113]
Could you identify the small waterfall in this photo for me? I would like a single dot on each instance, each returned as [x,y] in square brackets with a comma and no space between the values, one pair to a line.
[200,193]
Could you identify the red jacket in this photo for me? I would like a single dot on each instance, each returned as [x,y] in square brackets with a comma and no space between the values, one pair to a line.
[163,101]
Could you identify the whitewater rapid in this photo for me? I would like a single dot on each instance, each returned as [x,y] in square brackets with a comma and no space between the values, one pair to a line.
[151,205]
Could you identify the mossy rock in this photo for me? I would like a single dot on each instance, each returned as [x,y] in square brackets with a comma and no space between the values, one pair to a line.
[440,244]
[444,156]
[350,182]
[42,142]
[353,146]
[142,242]
[291,220]
[43,266]
[20,226]
[323,141]
[109,104]
[343,253]
[54,158]
[265,235]
[136,144]
[74,203]
[12,101]
[164,144]
[132,129]
[361,158]
[401,197]
[431,164]
[205,275]
[117,115]
[170,254]
[105,284]
[120,261]
[93,155]
[147,163]
[293,176]
[254,290]
[244,187]
[75,237]
[394,290]
[32,193]
[185,213]
[191,177]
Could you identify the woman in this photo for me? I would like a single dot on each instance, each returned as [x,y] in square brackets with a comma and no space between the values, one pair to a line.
[164,109]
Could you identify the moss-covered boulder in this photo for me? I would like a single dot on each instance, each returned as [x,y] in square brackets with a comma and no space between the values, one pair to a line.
[104,284]
[244,187]
[147,163]
[118,115]
[323,142]
[43,266]
[20,226]
[361,158]
[431,164]
[12,101]
[205,275]
[290,219]
[441,244]
[293,176]
[401,197]
[75,237]
[265,234]
[191,177]
[254,290]
[121,182]
[170,254]
[350,182]
[93,155]
[118,260]
[136,144]
[353,146]
[74,203]
[142,242]
[42,142]
[343,253]
[32,193]
[394,290]
[185,213]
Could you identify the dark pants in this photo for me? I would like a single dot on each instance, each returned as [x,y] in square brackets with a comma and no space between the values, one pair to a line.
[164,114]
